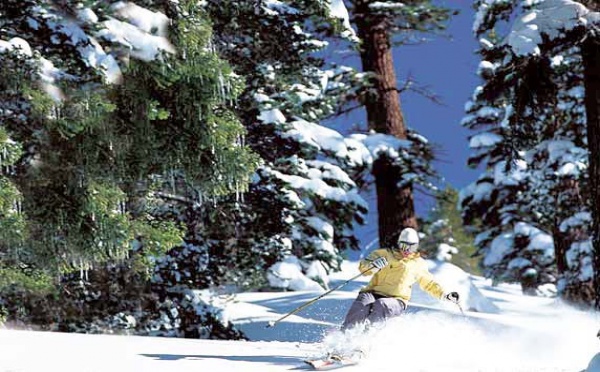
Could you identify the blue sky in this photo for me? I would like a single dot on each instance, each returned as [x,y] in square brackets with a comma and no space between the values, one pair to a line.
[446,66]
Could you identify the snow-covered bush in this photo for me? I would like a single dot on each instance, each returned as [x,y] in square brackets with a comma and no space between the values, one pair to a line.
[184,266]
[289,274]
[525,255]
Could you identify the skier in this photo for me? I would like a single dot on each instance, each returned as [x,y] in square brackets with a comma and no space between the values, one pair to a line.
[386,296]
[389,290]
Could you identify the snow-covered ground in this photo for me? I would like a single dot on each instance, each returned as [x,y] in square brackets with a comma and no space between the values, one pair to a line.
[500,330]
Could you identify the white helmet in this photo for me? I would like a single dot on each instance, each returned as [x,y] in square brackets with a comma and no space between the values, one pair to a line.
[408,241]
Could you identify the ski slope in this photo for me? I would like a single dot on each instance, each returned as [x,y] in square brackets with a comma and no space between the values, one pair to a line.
[501,330]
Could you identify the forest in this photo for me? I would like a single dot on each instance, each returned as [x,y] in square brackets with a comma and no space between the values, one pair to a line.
[158,154]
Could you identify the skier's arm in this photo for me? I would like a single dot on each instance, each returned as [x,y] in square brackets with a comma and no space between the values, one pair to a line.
[429,285]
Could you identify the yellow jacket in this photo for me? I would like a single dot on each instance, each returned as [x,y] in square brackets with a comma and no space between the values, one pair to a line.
[397,278]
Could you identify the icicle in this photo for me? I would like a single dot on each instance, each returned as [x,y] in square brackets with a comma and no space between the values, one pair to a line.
[172,180]
[221,86]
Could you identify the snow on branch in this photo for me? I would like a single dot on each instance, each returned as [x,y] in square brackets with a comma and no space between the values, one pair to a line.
[142,32]
[552,18]
[91,52]
[276,7]
[337,9]
[320,188]
[328,140]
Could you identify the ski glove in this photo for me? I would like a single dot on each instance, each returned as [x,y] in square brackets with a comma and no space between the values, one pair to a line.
[452,297]
[380,262]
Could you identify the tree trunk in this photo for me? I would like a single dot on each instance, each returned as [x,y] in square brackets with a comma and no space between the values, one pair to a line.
[395,204]
[590,51]
[567,193]
[561,245]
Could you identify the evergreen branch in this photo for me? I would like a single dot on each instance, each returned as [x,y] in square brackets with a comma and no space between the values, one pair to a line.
[422,90]
[177,198]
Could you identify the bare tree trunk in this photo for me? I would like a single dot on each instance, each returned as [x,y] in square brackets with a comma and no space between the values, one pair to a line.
[590,51]
[395,204]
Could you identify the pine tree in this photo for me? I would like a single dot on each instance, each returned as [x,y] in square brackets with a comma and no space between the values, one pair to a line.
[48,127]
[446,239]
[303,202]
[536,190]
[540,80]
[116,122]
[380,25]
[82,134]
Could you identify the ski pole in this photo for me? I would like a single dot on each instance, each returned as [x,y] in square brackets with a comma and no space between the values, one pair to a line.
[460,308]
[273,323]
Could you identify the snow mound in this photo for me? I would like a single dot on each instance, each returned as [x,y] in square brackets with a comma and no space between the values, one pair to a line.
[453,278]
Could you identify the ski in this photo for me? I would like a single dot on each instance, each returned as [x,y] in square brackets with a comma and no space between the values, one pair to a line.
[332,362]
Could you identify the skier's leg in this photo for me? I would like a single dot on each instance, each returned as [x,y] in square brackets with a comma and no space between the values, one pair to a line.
[359,311]
[385,308]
